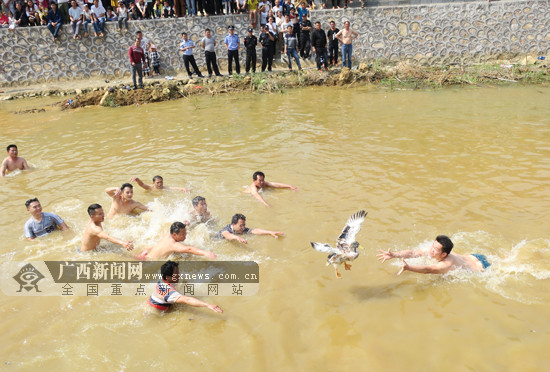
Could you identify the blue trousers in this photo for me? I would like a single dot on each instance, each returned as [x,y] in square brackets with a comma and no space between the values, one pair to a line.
[54,29]
[346,55]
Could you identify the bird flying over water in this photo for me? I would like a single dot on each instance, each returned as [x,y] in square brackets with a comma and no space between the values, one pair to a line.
[346,246]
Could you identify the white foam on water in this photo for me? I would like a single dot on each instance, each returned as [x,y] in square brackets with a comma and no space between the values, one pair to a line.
[518,271]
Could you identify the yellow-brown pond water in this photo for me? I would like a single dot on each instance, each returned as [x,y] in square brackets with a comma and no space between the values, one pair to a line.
[470,163]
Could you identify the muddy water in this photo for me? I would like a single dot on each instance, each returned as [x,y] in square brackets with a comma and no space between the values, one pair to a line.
[470,163]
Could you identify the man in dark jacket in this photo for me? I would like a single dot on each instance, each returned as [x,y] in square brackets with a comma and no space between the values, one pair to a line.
[266,41]
[305,37]
[319,43]
[333,44]
[250,43]
[55,20]
[20,15]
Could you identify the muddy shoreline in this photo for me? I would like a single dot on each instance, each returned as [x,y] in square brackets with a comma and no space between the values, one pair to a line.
[397,76]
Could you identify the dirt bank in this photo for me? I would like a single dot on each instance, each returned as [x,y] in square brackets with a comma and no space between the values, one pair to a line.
[399,76]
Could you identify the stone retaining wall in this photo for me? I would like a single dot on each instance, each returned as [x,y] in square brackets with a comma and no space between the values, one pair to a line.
[429,34]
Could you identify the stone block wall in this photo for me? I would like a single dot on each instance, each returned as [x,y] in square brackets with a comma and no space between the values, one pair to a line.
[468,32]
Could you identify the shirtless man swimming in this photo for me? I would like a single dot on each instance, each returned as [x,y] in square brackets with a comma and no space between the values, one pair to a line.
[93,233]
[165,294]
[199,213]
[13,162]
[158,184]
[122,200]
[171,243]
[237,227]
[258,183]
[441,252]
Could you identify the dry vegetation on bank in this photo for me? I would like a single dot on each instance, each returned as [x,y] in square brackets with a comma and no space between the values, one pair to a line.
[400,76]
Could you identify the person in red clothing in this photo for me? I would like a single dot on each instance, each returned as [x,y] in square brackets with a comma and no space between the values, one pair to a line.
[137,58]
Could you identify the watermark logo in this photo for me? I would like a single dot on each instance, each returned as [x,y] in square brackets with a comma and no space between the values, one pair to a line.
[28,278]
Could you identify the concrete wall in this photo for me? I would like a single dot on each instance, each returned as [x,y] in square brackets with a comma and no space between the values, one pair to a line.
[434,34]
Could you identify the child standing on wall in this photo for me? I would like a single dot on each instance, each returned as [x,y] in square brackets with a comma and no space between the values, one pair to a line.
[155,60]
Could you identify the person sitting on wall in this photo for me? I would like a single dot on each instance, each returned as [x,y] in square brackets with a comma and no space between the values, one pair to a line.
[55,20]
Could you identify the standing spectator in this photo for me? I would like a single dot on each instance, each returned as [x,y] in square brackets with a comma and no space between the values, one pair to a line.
[250,43]
[287,6]
[75,15]
[305,37]
[277,7]
[122,16]
[266,42]
[137,58]
[146,65]
[227,6]
[98,16]
[302,10]
[155,60]
[20,16]
[187,46]
[232,44]
[271,27]
[263,8]
[290,48]
[179,6]
[209,45]
[191,8]
[346,36]
[319,43]
[63,7]
[167,11]
[55,20]
[333,44]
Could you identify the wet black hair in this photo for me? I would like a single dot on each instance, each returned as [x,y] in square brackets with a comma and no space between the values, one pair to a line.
[9,147]
[154,178]
[446,243]
[125,185]
[167,269]
[92,208]
[28,202]
[196,200]
[256,174]
[237,217]
[177,227]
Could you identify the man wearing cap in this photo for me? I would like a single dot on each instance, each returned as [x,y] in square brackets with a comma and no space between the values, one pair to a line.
[232,44]
[305,37]
[266,41]
[250,43]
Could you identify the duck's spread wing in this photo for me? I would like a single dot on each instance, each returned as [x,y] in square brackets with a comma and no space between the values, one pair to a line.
[324,248]
[352,228]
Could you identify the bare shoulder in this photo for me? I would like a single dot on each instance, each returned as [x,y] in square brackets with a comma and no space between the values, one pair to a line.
[250,188]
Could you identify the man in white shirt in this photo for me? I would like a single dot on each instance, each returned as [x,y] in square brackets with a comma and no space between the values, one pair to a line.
[99,18]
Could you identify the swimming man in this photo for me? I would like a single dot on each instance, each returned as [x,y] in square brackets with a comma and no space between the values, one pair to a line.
[165,294]
[199,213]
[12,161]
[158,184]
[41,223]
[238,227]
[258,183]
[441,252]
[171,243]
[93,233]
[122,200]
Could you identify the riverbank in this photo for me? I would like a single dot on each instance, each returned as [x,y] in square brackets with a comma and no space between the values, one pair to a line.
[80,93]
